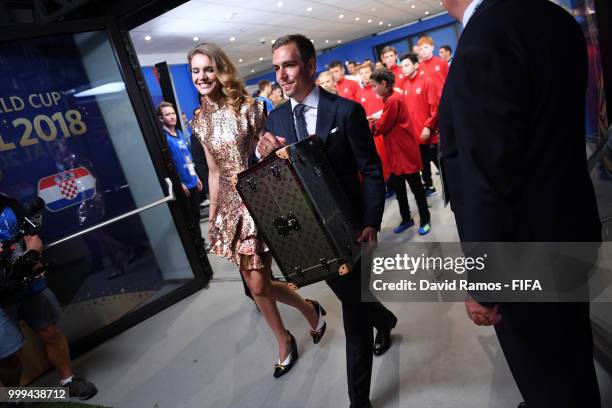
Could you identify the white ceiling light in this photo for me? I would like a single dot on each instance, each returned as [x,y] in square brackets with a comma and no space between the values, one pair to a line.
[273,41]
[341,16]
[413,6]
[196,38]
[261,58]
[240,59]
[252,70]
[370,20]
[339,41]
[110,87]
[389,25]
[427,13]
[147,38]
[356,18]
[279,4]
[326,41]
[232,39]
[380,23]
[309,9]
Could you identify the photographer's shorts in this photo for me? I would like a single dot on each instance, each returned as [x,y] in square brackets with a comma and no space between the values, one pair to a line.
[38,311]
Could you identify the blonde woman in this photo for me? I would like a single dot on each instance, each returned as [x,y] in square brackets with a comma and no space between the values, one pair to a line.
[229,125]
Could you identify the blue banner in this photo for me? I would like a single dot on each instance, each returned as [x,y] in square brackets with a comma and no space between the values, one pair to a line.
[54,141]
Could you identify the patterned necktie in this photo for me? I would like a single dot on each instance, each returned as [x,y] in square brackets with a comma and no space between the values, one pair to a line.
[300,121]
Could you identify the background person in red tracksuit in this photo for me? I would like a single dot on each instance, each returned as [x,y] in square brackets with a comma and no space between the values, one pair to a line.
[372,104]
[429,65]
[402,150]
[389,58]
[422,100]
[346,88]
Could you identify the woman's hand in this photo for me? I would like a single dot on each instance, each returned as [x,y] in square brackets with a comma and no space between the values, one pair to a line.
[212,211]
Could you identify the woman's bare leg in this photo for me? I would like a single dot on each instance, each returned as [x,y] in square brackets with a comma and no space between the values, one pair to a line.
[269,311]
[281,292]
[267,292]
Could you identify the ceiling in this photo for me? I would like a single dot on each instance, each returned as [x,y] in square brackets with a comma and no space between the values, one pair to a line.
[245,30]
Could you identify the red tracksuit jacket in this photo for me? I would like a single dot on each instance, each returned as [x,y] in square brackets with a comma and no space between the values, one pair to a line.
[348,89]
[422,100]
[437,69]
[401,143]
[373,103]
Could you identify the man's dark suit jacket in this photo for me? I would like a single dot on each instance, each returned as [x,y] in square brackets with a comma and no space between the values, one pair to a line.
[349,148]
[512,127]
[513,158]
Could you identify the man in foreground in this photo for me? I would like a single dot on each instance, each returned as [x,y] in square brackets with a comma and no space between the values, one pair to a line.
[508,182]
[347,142]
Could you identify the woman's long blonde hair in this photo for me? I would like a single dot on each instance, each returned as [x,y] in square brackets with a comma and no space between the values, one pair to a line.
[232,87]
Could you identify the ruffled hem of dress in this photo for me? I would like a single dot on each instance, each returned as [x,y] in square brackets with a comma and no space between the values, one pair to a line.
[248,255]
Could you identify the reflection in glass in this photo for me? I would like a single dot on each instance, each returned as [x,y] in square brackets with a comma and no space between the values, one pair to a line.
[68,133]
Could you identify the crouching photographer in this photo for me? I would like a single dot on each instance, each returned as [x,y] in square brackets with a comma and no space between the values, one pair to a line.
[25,296]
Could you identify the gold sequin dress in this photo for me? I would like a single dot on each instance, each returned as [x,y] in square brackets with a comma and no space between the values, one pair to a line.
[230,140]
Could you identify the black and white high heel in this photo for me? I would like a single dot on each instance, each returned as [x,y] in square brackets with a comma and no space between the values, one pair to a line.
[318,333]
[283,368]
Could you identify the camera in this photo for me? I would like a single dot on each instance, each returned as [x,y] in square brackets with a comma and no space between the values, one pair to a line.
[28,224]
[18,271]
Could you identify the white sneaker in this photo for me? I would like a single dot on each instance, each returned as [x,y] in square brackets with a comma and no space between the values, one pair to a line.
[205,203]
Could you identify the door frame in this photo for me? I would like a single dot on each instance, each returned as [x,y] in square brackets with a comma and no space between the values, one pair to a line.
[144,111]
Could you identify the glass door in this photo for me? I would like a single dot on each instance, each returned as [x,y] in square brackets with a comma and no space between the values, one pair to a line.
[71,132]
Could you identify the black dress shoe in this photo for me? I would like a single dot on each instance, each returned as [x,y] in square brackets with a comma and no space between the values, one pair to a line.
[522,405]
[280,369]
[382,343]
[318,334]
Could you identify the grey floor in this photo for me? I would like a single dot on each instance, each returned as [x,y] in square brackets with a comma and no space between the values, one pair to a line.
[214,350]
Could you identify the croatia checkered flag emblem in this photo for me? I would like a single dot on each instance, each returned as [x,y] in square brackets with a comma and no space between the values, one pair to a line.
[67,185]
[66,189]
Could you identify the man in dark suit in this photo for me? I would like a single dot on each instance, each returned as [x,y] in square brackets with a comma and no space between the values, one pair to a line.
[342,126]
[514,167]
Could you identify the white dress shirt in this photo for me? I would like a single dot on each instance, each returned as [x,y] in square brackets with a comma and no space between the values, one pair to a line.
[310,112]
[470,10]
